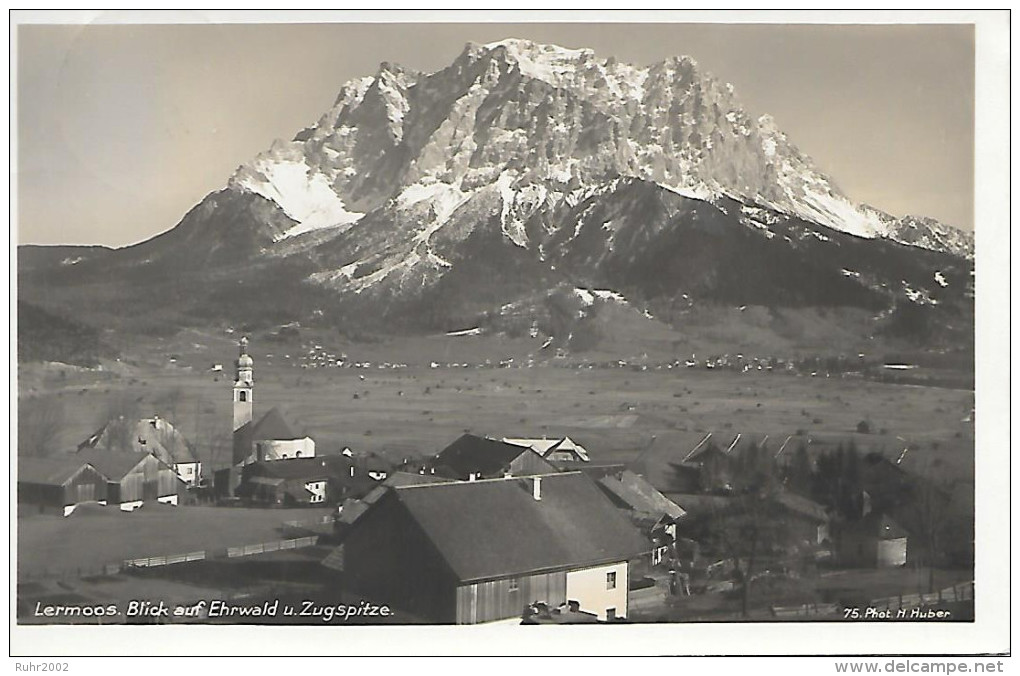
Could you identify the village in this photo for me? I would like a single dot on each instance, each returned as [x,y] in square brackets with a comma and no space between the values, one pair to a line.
[495,527]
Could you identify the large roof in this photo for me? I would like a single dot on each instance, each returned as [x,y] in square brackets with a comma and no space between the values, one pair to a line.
[273,426]
[470,454]
[639,495]
[114,465]
[496,528]
[304,468]
[53,470]
[146,435]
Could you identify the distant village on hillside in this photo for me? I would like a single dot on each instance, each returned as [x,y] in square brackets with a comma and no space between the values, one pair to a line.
[503,528]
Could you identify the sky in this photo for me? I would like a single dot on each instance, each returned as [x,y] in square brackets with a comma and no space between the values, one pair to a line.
[121,129]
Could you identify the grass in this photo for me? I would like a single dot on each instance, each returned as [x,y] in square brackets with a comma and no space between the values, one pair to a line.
[49,544]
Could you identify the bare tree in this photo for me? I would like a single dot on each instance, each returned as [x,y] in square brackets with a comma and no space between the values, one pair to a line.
[40,421]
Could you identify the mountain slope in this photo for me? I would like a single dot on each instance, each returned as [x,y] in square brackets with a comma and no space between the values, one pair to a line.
[424,197]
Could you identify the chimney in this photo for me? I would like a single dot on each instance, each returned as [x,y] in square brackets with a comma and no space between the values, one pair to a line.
[537,488]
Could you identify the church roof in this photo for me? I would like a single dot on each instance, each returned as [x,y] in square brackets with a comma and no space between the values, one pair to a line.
[274,426]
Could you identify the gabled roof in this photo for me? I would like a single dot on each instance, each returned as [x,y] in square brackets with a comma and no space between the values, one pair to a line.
[545,447]
[639,495]
[495,528]
[273,426]
[53,470]
[114,465]
[470,454]
[146,435]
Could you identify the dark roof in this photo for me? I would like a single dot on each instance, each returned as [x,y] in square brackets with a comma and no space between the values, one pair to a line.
[470,454]
[302,468]
[274,426]
[53,470]
[495,528]
[639,495]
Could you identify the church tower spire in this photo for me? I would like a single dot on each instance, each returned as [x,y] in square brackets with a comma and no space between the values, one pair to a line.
[244,385]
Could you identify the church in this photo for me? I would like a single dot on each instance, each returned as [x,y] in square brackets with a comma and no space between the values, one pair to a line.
[268,439]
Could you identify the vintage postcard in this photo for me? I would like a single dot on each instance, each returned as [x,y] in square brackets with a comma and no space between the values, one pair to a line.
[684,332]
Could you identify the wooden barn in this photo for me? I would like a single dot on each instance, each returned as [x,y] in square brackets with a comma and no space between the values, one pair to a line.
[58,484]
[470,458]
[134,479]
[468,552]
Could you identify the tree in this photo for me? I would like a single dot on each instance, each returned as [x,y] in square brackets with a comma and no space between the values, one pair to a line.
[40,421]
[748,532]
[748,529]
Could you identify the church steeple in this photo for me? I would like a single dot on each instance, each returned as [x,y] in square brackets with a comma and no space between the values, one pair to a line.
[244,386]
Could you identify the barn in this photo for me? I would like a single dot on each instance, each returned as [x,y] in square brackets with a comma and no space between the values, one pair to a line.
[483,551]
[58,484]
[134,479]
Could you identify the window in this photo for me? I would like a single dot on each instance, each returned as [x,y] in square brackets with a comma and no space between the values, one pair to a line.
[242,395]
[514,584]
[611,580]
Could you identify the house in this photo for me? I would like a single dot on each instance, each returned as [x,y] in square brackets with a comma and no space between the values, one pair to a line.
[58,484]
[302,481]
[554,450]
[873,541]
[134,479]
[478,551]
[373,465]
[808,520]
[653,512]
[470,458]
[150,435]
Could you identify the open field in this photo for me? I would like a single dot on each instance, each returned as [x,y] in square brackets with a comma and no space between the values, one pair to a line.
[622,414]
[98,536]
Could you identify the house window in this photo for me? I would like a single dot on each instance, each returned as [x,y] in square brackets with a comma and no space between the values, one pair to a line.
[242,396]
[611,580]
[514,584]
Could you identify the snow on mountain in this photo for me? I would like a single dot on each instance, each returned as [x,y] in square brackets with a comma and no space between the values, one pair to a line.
[406,169]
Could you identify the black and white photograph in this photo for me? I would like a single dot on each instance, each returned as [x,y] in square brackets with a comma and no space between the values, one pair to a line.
[673,327]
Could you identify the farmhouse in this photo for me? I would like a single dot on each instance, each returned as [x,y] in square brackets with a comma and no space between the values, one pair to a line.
[484,550]
[653,512]
[58,484]
[470,458]
[302,481]
[554,450]
[150,435]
